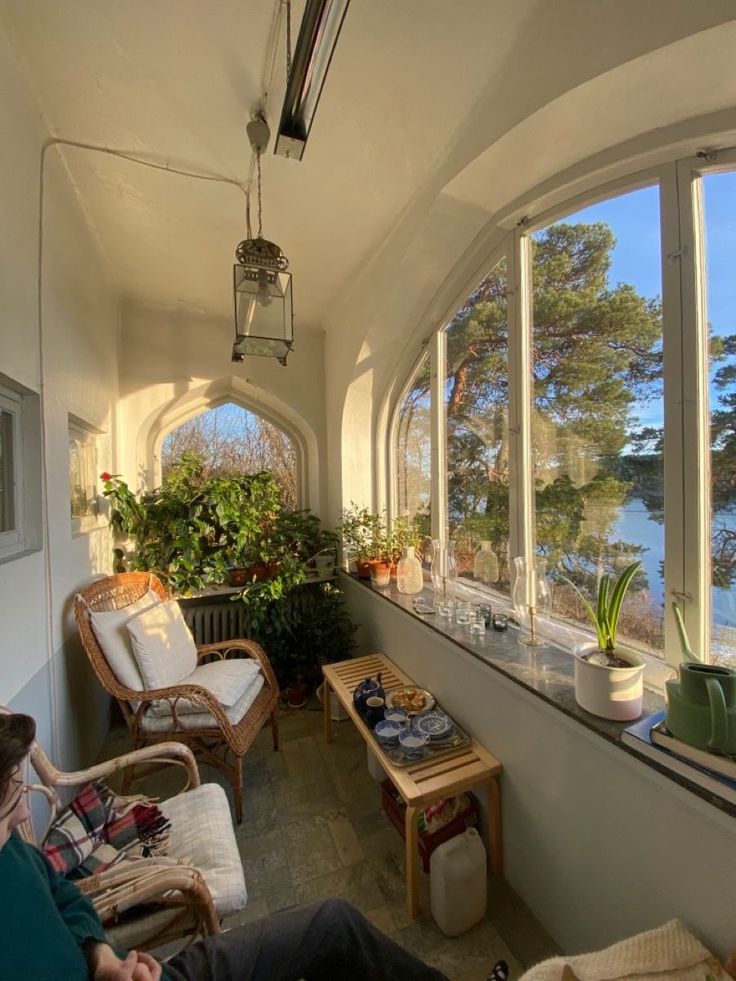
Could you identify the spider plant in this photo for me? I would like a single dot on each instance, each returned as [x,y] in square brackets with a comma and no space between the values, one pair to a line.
[604,617]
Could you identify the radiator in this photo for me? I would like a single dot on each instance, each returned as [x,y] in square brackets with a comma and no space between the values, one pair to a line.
[213,622]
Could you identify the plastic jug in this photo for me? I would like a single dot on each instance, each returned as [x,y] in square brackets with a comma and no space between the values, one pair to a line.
[457,871]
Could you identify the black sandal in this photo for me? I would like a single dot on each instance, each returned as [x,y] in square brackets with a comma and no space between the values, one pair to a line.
[500,972]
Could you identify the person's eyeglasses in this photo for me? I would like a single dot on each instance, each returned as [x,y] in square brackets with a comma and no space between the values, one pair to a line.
[22,788]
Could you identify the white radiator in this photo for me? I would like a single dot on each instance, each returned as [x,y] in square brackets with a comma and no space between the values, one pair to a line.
[213,622]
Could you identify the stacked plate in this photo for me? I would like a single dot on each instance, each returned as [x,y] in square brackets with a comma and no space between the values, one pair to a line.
[434,724]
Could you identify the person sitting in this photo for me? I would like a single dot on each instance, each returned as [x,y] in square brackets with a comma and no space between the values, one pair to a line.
[51,932]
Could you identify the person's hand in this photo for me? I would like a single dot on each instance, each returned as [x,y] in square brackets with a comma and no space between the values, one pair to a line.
[107,966]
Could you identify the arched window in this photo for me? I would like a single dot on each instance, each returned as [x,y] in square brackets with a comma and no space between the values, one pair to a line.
[232,440]
[588,409]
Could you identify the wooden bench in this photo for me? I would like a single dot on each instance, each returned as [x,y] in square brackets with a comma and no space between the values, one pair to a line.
[425,781]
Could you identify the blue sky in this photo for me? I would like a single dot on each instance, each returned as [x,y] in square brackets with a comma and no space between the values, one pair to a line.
[636,259]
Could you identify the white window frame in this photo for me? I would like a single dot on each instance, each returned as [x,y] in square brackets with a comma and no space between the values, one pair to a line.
[11,541]
[87,437]
[685,371]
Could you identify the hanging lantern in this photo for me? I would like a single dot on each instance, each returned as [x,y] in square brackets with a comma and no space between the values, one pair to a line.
[264,325]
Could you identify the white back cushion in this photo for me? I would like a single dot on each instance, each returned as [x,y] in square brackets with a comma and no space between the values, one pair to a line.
[110,629]
[162,645]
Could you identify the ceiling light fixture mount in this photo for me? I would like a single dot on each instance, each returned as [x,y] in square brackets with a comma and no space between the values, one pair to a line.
[264,320]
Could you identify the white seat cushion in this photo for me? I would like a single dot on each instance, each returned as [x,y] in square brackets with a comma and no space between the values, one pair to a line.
[154,722]
[227,680]
[202,833]
[163,645]
[110,629]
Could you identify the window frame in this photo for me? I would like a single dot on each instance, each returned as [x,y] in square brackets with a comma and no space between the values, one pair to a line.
[87,435]
[12,540]
[685,379]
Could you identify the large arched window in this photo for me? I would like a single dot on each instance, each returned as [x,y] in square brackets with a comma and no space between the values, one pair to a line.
[588,411]
[232,440]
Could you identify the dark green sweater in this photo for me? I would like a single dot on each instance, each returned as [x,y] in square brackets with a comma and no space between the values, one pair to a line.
[44,919]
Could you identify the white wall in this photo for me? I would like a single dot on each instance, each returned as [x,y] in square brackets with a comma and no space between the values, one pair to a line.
[597,844]
[42,669]
[637,80]
[173,364]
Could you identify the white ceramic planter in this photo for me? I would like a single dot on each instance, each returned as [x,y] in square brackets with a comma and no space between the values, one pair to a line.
[609,693]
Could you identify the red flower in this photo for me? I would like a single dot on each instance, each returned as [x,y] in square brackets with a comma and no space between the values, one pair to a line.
[106,476]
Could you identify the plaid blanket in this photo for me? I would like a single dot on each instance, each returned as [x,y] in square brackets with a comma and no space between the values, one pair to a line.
[98,829]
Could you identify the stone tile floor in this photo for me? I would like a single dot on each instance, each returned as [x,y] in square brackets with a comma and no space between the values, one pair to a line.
[313,827]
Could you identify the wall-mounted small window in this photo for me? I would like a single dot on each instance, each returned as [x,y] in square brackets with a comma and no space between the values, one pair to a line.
[83,476]
[10,470]
[20,470]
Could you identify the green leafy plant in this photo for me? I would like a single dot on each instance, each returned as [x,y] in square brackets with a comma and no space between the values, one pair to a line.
[194,528]
[604,617]
[364,532]
[405,532]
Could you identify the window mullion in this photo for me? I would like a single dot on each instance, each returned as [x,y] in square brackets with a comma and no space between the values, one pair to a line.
[688,262]
[438,435]
[521,486]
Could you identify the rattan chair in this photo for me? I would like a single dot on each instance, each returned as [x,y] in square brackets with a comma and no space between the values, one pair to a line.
[220,742]
[151,903]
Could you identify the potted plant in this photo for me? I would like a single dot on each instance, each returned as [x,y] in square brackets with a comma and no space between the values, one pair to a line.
[364,536]
[609,677]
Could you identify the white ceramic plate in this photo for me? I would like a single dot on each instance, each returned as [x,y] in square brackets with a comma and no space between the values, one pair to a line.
[436,725]
[411,698]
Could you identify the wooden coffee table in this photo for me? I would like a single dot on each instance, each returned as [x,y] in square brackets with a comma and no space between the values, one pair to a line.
[425,781]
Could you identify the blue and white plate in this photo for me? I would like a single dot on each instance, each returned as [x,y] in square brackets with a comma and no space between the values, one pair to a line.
[436,725]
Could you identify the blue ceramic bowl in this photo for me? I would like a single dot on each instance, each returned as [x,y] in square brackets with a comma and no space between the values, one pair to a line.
[387,733]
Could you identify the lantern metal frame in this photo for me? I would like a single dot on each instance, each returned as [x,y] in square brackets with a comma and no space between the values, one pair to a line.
[261,280]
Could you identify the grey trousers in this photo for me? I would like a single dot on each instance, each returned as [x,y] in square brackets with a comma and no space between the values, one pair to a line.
[323,941]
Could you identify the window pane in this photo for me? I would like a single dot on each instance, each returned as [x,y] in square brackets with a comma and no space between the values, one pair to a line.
[7,508]
[413,454]
[476,399]
[597,415]
[82,474]
[230,441]
[719,193]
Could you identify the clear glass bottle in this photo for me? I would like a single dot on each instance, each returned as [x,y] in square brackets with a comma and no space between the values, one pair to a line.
[531,598]
[409,578]
[485,564]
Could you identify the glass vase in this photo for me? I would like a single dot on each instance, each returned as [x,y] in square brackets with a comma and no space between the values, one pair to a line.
[485,564]
[409,578]
[531,598]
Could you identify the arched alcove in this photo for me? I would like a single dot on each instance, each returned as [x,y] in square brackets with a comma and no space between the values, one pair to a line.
[179,409]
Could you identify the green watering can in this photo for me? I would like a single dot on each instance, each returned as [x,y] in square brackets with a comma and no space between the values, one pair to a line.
[701,702]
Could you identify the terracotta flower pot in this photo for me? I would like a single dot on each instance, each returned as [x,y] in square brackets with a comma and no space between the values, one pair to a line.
[362,569]
[380,573]
[296,694]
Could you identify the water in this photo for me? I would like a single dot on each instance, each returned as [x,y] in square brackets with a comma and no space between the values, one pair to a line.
[634,525]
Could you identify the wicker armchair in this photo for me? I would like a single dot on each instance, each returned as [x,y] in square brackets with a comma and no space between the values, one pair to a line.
[154,904]
[221,740]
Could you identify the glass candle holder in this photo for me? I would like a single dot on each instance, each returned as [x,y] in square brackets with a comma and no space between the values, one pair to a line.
[463,612]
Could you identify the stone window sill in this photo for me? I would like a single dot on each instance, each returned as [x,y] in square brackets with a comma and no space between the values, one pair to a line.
[547,672]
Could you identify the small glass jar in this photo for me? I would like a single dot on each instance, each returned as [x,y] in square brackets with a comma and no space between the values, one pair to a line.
[477,623]
[409,578]
[463,612]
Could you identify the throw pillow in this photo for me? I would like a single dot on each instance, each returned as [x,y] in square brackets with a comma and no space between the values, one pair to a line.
[162,645]
[110,629]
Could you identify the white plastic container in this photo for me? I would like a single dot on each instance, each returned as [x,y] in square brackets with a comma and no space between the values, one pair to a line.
[374,767]
[337,712]
[458,881]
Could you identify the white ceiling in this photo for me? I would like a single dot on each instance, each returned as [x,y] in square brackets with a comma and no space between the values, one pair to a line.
[175,81]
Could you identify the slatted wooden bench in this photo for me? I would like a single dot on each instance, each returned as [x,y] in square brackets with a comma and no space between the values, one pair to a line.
[423,782]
